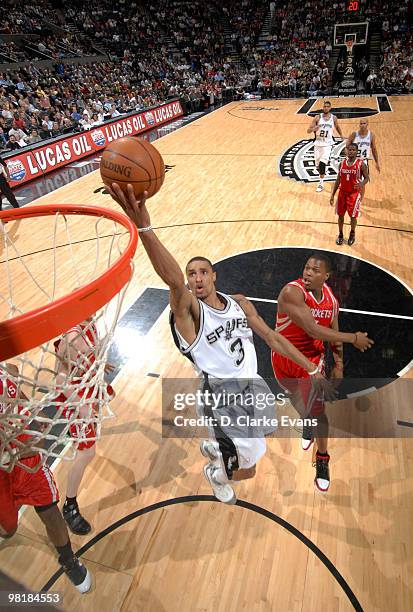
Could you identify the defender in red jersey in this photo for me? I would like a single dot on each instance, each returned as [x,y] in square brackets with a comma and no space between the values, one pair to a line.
[20,487]
[75,354]
[308,316]
[351,179]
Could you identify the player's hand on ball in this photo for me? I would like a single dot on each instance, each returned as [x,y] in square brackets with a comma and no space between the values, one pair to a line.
[362,342]
[133,207]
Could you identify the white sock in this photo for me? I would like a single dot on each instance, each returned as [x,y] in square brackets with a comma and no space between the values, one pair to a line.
[321,180]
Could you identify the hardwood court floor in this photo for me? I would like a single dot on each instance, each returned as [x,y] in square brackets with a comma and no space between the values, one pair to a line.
[223,196]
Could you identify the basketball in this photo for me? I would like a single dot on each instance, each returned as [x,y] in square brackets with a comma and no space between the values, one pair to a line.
[134,161]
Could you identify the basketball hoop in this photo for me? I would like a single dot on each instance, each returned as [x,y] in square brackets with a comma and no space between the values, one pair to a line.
[35,309]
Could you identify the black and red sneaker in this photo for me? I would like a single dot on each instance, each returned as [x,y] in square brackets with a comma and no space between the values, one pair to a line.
[307,437]
[322,474]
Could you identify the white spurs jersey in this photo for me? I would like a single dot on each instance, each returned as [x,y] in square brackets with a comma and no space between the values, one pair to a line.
[364,145]
[224,345]
[324,137]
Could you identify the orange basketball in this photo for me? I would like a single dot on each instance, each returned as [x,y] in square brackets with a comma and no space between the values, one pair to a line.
[134,161]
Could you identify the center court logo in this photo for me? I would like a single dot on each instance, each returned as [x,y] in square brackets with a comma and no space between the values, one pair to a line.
[298,162]
[16,169]
[98,138]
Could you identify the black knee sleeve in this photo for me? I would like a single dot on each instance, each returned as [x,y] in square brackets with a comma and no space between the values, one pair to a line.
[322,168]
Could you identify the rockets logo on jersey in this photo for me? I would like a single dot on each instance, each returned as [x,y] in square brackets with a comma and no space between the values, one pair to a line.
[298,162]
[321,314]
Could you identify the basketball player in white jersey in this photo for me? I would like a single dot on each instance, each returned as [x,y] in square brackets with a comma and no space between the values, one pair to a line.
[215,331]
[323,126]
[366,142]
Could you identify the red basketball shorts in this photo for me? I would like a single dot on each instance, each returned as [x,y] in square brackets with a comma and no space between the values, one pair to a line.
[348,202]
[297,382]
[19,488]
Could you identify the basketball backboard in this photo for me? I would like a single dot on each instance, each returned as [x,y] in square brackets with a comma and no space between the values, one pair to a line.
[357,32]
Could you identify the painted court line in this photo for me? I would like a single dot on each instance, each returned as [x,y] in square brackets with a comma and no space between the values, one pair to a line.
[365,312]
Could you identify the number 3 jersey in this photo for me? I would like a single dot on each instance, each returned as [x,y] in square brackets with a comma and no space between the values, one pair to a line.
[223,347]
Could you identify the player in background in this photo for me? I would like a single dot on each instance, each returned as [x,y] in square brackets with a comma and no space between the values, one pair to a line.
[323,126]
[75,352]
[351,178]
[38,489]
[214,331]
[307,316]
[366,142]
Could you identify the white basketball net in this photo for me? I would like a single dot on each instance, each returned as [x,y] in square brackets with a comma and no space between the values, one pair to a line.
[54,398]
[349,44]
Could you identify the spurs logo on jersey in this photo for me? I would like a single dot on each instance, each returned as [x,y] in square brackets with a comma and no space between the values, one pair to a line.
[223,347]
[230,326]
[364,145]
[324,137]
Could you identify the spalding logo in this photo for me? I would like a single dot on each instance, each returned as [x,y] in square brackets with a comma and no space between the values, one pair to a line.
[16,169]
[98,137]
[149,118]
[298,162]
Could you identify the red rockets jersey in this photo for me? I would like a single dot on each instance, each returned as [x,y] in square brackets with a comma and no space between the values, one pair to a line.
[323,312]
[350,174]
[11,393]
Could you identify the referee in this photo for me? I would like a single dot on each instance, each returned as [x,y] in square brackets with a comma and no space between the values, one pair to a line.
[4,185]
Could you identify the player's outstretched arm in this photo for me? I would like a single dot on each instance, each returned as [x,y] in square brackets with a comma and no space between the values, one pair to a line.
[281,345]
[294,306]
[314,125]
[275,341]
[161,259]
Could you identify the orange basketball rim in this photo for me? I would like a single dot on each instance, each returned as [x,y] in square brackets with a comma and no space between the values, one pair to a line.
[26,331]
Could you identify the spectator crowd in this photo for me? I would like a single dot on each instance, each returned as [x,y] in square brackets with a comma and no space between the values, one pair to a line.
[166,49]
